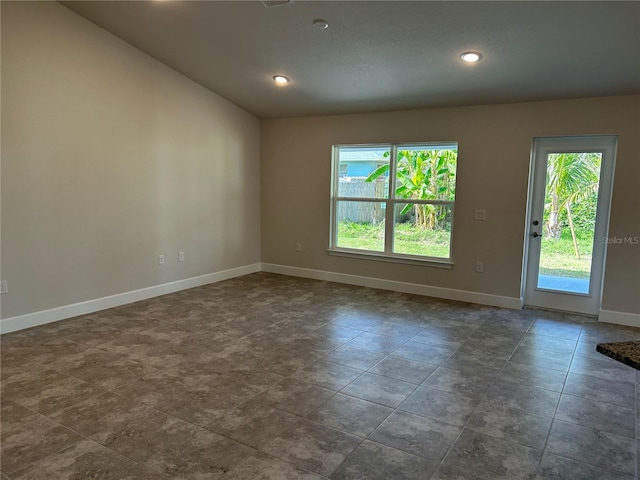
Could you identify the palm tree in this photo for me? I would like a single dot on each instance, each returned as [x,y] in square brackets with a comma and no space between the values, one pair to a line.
[571,177]
[423,175]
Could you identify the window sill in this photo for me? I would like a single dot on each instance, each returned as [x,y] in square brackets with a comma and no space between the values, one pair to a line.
[380,257]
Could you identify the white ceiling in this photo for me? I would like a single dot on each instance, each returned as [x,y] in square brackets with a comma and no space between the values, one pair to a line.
[385,55]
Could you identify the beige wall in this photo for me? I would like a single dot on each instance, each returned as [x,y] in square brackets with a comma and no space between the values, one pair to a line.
[494,151]
[110,158]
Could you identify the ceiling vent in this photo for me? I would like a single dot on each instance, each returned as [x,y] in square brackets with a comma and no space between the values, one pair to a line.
[275,3]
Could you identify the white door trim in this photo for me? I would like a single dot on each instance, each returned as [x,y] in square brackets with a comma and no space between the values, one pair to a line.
[580,303]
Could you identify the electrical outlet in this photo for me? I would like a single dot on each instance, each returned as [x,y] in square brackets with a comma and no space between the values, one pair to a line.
[4,287]
[298,247]
[181,256]
[160,259]
[480,214]
[479,267]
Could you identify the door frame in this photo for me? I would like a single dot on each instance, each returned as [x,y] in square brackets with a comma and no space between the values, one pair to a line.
[590,303]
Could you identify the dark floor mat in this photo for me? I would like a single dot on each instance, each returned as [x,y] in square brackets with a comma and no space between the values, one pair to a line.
[625,352]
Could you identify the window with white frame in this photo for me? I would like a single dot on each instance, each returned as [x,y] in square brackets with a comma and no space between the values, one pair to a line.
[395,201]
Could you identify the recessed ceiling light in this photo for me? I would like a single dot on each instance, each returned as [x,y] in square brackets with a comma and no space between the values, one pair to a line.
[471,57]
[281,79]
[320,24]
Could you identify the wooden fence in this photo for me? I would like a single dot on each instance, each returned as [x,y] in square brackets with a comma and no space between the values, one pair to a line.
[361,212]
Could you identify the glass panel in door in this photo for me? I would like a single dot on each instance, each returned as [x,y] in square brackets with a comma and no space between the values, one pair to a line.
[569,219]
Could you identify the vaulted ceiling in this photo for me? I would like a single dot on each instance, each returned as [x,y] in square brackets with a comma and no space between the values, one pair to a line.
[385,55]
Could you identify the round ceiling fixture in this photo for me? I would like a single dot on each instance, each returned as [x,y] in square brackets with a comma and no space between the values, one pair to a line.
[280,79]
[471,57]
[320,24]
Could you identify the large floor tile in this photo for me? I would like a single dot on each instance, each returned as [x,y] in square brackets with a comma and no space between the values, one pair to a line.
[566,330]
[489,458]
[599,333]
[534,376]
[201,455]
[104,369]
[517,320]
[403,369]
[13,416]
[140,472]
[601,416]
[605,368]
[440,337]
[529,355]
[253,424]
[469,354]
[20,382]
[327,375]
[425,353]
[373,461]
[443,406]
[313,447]
[59,395]
[31,442]
[97,413]
[201,406]
[399,329]
[50,351]
[260,466]
[469,381]
[354,357]
[293,396]
[154,388]
[416,435]
[499,352]
[383,390]
[548,343]
[588,349]
[244,382]
[604,450]
[523,428]
[350,414]
[361,322]
[512,398]
[140,435]
[497,338]
[558,468]
[85,459]
[376,343]
[337,332]
[91,332]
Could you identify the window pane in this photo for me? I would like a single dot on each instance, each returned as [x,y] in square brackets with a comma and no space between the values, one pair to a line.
[426,172]
[363,172]
[360,225]
[422,230]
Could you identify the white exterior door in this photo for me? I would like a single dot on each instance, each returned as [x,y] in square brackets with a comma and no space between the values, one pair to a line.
[570,189]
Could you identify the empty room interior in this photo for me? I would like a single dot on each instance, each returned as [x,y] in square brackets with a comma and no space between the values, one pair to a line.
[278,240]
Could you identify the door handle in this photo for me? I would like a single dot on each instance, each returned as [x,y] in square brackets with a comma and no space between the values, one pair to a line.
[535,235]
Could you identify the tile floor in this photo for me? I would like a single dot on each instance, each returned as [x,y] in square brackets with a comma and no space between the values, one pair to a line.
[272,377]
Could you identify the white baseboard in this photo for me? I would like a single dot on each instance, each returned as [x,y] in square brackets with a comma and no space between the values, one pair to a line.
[29,320]
[620,318]
[404,287]
[42,317]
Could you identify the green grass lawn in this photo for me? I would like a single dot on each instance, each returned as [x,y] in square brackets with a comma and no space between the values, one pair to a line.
[409,240]
[557,256]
